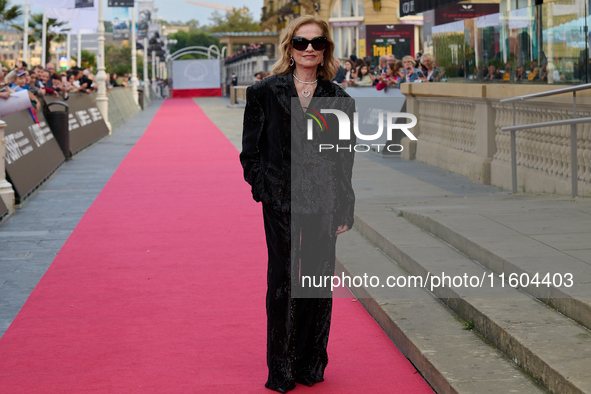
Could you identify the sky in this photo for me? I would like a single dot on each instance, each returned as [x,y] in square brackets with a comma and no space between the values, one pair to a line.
[175,10]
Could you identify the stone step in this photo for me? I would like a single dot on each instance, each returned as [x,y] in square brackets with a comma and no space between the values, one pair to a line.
[449,357]
[504,250]
[551,348]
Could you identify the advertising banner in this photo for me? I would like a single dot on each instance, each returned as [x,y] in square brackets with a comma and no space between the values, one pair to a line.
[145,10]
[389,39]
[63,14]
[413,7]
[85,120]
[53,3]
[456,12]
[121,28]
[84,3]
[32,153]
[196,74]
[87,20]
[120,3]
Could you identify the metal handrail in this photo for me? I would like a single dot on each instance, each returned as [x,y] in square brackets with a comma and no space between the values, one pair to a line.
[573,131]
[547,124]
[547,93]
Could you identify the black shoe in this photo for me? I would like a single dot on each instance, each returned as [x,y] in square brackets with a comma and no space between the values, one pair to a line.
[308,381]
[282,388]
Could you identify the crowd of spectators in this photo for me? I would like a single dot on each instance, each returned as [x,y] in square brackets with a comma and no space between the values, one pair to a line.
[40,81]
[530,72]
[253,50]
[389,73]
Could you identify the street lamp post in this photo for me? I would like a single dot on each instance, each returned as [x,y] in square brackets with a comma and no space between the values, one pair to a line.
[146,79]
[133,58]
[153,66]
[69,43]
[102,101]
[44,39]
[79,60]
[26,33]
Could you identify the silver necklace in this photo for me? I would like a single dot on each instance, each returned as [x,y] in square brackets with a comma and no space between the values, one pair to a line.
[305,92]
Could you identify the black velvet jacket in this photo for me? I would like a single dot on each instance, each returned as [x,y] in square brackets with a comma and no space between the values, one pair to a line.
[267,146]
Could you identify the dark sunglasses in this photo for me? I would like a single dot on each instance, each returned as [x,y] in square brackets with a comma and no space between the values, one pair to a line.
[301,43]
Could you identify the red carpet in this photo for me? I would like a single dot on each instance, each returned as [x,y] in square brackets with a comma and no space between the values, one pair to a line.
[161,286]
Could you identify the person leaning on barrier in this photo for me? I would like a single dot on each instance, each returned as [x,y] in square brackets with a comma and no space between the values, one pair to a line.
[19,85]
[363,76]
[307,198]
[392,77]
[411,74]
[432,74]
[32,84]
[349,73]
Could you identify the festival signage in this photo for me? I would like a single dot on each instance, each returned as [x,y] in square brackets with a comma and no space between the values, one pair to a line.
[84,3]
[86,124]
[389,39]
[32,153]
[413,7]
[121,3]
[145,11]
[456,12]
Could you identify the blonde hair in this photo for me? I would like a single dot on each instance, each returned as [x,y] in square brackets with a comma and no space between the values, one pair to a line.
[427,56]
[412,59]
[326,71]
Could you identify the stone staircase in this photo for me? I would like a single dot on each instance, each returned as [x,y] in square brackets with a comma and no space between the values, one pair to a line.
[462,339]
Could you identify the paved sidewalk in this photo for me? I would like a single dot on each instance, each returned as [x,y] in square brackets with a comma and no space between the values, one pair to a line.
[31,238]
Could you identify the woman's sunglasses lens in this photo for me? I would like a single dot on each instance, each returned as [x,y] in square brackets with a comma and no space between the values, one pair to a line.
[319,43]
[301,44]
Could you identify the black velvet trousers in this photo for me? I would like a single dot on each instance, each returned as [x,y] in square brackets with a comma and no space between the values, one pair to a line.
[297,325]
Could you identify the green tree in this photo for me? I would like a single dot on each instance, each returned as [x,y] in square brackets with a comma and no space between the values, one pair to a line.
[8,13]
[192,38]
[237,20]
[118,59]
[88,60]
[193,24]
[55,31]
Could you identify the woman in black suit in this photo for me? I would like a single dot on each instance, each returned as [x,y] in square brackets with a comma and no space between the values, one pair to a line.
[306,195]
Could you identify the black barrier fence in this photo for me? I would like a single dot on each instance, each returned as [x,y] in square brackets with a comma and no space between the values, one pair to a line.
[58,122]
[32,149]
[32,153]
[86,124]
[122,107]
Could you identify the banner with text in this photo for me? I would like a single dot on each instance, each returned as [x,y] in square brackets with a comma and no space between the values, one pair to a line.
[32,153]
[85,120]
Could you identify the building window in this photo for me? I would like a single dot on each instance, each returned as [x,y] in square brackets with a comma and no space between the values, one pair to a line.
[544,43]
[346,16]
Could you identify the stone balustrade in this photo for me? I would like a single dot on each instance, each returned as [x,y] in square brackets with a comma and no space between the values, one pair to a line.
[459,129]
[543,154]
[448,123]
